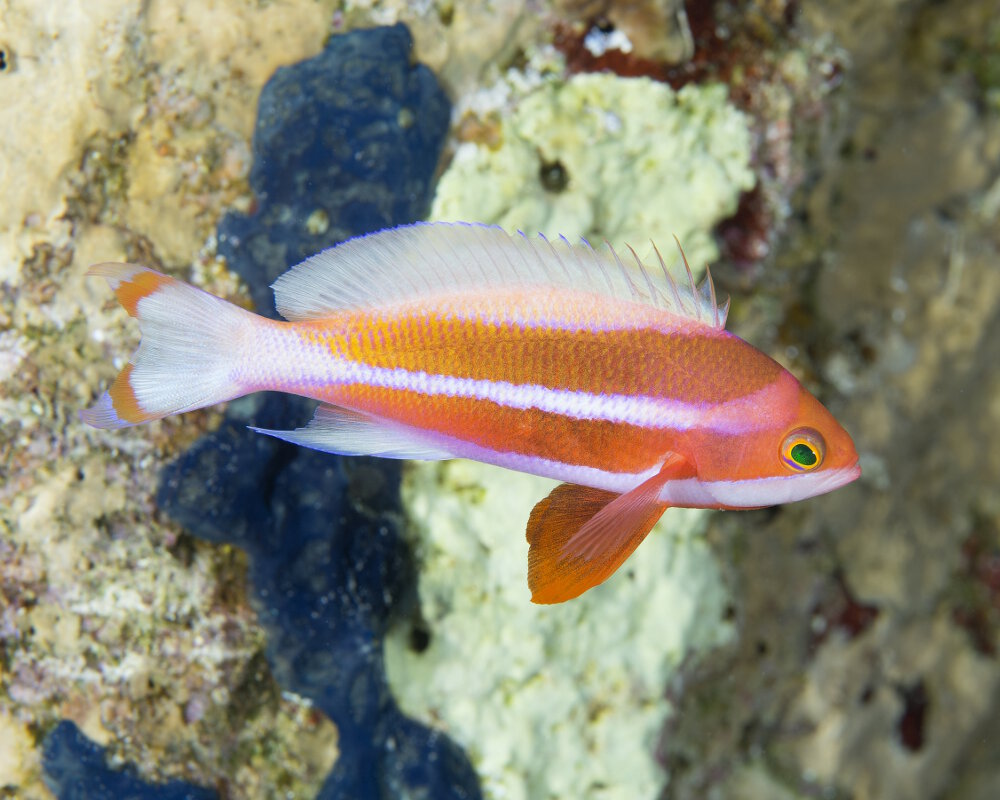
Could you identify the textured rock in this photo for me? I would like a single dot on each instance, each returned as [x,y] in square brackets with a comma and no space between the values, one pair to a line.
[327,569]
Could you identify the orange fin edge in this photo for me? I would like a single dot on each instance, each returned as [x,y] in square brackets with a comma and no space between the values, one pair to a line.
[130,282]
[579,536]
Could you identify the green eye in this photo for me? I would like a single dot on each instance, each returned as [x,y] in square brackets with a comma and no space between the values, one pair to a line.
[804,455]
[803,450]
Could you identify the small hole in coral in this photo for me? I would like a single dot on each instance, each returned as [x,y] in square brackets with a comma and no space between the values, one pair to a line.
[420,639]
[553,176]
[914,716]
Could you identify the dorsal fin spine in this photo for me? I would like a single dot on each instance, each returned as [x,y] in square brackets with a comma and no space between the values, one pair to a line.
[524,258]
[555,253]
[624,271]
[711,290]
[691,282]
[653,294]
[600,267]
[490,279]
[455,258]
[479,264]
[666,274]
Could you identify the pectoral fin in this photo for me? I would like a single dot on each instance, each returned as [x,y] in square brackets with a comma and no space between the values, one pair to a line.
[579,536]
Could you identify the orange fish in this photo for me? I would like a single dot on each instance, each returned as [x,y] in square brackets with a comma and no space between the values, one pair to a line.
[437,341]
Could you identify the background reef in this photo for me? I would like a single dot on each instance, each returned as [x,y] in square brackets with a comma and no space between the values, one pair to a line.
[188,610]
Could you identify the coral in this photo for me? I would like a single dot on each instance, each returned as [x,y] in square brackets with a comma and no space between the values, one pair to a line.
[605,157]
[780,78]
[865,661]
[654,31]
[125,67]
[327,573]
[115,147]
[328,568]
[19,763]
[565,701]
[458,40]
[325,592]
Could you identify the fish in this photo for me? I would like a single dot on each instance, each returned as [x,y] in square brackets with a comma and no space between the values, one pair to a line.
[458,340]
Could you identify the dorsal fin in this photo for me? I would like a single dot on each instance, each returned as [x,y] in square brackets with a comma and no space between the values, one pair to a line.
[427,259]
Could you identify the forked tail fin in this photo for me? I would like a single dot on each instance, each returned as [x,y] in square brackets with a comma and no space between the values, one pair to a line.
[190,356]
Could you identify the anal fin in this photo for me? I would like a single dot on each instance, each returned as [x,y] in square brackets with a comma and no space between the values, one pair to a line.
[579,536]
[351,433]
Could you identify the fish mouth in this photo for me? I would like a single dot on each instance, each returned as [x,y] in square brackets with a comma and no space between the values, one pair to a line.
[835,478]
[848,474]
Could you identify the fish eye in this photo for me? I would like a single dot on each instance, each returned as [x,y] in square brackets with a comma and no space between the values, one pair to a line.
[803,450]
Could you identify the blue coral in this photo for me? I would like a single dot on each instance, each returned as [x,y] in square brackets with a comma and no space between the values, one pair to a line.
[354,134]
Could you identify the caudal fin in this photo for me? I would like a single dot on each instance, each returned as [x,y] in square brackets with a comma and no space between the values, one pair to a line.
[190,355]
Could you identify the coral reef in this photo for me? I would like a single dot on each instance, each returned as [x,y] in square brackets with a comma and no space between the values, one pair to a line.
[860,635]
[327,576]
[779,77]
[151,180]
[116,147]
[556,161]
[328,569]
[535,696]
[160,97]
[653,31]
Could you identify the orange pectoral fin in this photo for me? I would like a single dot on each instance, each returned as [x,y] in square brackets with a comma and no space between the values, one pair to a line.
[579,536]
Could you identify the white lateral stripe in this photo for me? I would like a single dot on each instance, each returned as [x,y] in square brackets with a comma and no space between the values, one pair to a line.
[557,470]
[735,416]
